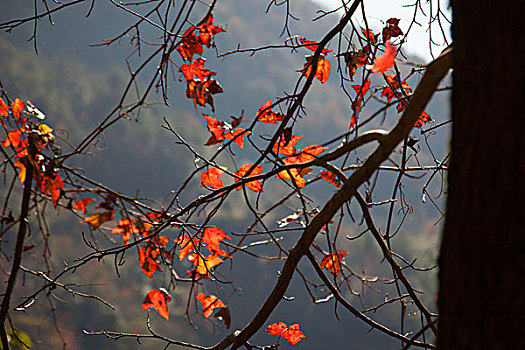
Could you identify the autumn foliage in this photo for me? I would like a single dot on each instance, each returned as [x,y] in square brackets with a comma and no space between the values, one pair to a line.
[262,159]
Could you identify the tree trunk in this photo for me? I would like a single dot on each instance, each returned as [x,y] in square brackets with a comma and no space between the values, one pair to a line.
[481,263]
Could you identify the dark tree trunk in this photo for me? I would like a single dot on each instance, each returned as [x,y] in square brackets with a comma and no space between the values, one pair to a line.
[481,295]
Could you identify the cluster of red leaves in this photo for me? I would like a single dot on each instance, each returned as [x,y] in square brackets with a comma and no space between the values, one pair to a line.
[192,42]
[18,138]
[222,131]
[200,86]
[82,203]
[266,115]
[211,239]
[157,299]
[286,146]
[322,71]
[332,262]
[151,253]
[291,333]
[209,303]
[255,185]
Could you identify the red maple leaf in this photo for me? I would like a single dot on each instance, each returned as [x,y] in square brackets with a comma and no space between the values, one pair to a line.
[157,299]
[52,185]
[312,45]
[126,228]
[4,109]
[207,30]
[322,71]
[190,44]
[255,185]
[286,145]
[386,60]
[265,114]
[332,261]
[369,35]
[81,204]
[212,237]
[186,245]
[331,178]
[209,303]
[196,69]
[203,264]
[237,135]
[212,178]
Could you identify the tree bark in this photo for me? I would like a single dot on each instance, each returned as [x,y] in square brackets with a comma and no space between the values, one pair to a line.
[481,262]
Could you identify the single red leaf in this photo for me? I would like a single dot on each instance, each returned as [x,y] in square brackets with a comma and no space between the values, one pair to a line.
[186,245]
[423,118]
[22,171]
[332,261]
[386,60]
[207,30]
[276,328]
[265,114]
[126,228]
[209,303]
[212,178]
[322,71]
[212,237]
[331,178]
[293,335]
[204,264]
[157,299]
[310,152]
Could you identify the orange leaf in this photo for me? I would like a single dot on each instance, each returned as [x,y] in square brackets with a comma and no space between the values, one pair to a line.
[126,228]
[148,264]
[238,134]
[212,178]
[157,299]
[292,334]
[4,109]
[212,237]
[296,174]
[331,178]
[209,303]
[286,146]
[385,61]
[196,69]
[255,185]
[98,219]
[17,107]
[204,264]
[310,152]
[190,45]
[207,30]
[13,139]
[332,261]
[186,245]
[323,68]
[52,186]
[312,45]
[369,35]
[22,172]
[81,204]
[276,328]
[265,114]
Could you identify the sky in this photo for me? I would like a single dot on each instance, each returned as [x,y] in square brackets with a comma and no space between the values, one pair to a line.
[378,11]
